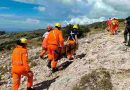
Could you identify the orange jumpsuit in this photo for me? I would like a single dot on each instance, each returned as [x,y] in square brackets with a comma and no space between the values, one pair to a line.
[71,48]
[108,24]
[114,26]
[54,41]
[20,67]
[44,44]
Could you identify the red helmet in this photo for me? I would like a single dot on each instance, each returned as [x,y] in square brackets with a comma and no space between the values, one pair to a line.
[49,27]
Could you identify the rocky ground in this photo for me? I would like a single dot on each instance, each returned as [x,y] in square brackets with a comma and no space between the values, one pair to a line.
[102,63]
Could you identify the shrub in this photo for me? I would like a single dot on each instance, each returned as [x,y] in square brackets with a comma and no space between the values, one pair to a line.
[97,80]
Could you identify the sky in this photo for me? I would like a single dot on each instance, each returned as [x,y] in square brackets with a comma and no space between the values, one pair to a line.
[37,14]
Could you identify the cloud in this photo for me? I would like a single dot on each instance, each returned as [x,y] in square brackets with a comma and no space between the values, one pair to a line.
[4,8]
[25,1]
[32,21]
[40,8]
[71,2]
[76,11]
[109,8]
[84,20]
[8,15]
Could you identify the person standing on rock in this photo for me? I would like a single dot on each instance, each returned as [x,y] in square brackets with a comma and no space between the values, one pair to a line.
[108,24]
[114,26]
[127,22]
[20,65]
[72,42]
[55,41]
[44,44]
[125,33]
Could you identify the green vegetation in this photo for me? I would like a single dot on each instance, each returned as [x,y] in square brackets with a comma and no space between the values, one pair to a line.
[83,29]
[9,40]
[2,32]
[97,80]
[33,64]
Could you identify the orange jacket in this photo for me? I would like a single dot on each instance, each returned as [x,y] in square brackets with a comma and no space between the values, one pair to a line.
[115,23]
[55,37]
[20,60]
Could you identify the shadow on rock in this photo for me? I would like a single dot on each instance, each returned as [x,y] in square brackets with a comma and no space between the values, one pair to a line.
[64,65]
[45,84]
[80,56]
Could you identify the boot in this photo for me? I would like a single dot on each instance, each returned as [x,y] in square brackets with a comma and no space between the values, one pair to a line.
[30,89]
[54,70]
[49,64]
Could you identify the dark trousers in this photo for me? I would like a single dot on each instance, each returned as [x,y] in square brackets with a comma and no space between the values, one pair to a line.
[125,35]
[128,32]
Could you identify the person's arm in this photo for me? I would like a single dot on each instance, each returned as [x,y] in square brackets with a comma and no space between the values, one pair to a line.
[68,39]
[125,22]
[76,38]
[61,39]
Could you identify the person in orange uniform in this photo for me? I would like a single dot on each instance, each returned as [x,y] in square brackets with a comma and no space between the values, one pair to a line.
[72,42]
[108,24]
[114,26]
[20,65]
[54,41]
[44,44]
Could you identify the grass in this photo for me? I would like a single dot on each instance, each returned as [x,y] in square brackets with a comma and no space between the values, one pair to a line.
[33,64]
[97,80]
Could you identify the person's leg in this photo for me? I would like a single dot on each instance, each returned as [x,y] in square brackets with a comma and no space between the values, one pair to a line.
[125,36]
[129,36]
[73,48]
[50,57]
[43,52]
[49,64]
[16,81]
[30,79]
[54,61]
[69,52]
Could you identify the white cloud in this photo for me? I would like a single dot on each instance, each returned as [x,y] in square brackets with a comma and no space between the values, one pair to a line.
[32,21]
[84,20]
[93,10]
[4,8]
[25,1]
[71,2]
[40,8]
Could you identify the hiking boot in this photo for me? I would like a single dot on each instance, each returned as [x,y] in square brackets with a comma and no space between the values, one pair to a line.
[54,70]
[30,89]
[41,57]
[124,42]
[49,64]
[71,58]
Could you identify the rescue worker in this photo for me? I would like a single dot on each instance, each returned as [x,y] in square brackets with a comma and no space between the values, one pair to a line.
[55,41]
[125,35]
[20,65]
[72,42]
[127,22]
[44,44]
[114,26]
[108,24]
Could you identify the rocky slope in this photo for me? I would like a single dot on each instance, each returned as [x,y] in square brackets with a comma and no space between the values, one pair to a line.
[101,63]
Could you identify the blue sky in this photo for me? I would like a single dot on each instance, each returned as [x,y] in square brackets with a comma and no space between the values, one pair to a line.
[35,14]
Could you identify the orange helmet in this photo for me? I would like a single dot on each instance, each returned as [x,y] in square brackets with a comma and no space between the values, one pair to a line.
[49,27]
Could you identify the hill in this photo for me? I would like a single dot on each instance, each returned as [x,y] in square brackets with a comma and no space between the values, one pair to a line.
[8,39]
[101,63]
